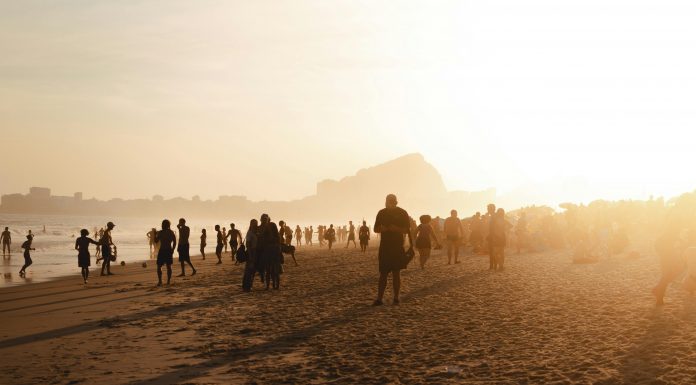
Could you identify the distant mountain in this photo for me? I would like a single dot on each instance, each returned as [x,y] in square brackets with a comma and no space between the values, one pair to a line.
[417,184]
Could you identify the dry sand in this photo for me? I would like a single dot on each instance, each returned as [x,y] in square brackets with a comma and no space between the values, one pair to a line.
[543,320]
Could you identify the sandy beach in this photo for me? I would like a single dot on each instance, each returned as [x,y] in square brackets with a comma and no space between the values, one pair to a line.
[543,320]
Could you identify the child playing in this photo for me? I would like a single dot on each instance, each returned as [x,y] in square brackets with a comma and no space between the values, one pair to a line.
[27,257]
[83,257]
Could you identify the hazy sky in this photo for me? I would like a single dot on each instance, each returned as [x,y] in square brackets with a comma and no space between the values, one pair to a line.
[581,99]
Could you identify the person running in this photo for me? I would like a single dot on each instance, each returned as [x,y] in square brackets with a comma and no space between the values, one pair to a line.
[84,260]
[167,240]
[26,246]
[351,235]
[424,234]
[220,244]
[204,238]
[364,236]
[269,246]
[184,248]
[298,236]
[250,267]
[235,237]
[453,233]
[392,223]
[330,235]
[105,243]
[6,238]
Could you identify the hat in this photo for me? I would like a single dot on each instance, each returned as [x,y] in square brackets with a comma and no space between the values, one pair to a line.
[110,224]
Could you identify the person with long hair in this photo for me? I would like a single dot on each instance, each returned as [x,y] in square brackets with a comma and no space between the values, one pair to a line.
[251,244]
[84,260]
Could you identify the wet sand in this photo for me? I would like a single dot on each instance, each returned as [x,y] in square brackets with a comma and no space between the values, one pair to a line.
[543,320]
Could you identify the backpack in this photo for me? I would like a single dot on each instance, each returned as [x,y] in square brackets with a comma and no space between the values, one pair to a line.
[242,255]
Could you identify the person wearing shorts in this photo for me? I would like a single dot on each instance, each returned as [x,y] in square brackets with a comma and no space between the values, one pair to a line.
[183,248]
[453,233]
[165,256]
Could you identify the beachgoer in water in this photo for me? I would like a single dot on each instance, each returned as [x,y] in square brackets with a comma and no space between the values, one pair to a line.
[298,236]
[83,257]
[105,243]
[167,240]
[351,235]
[184,248]
[453,233]
[251,243]
[26,246]
[204,238]
[392,223]
[235,237]
[330,235]
[364,236]
[220,244]
[424,234]
[6,238]
[269,246]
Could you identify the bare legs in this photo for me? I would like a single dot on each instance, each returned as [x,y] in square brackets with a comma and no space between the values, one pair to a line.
[85,274]
[159,274]
[382,286]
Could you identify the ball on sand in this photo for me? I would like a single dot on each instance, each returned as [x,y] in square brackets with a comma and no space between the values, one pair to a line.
[144,265]
[123,263]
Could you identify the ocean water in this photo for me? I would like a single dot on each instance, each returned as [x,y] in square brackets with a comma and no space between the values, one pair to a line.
[55,253]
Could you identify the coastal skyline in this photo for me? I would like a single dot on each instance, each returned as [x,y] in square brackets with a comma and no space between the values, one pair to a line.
[182,99]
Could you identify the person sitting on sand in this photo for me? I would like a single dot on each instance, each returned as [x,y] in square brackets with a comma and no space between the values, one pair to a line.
[6,238]
[83,258]
[364,236]
[392,223]
[26,246]
[424,234]
[167,240]
[220,244]
[204,238]
[330,235]
[105,243]
[184,248]
[453,233]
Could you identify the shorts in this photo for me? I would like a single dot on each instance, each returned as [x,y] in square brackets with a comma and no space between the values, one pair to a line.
[165,257]
[184,255]
[218,249]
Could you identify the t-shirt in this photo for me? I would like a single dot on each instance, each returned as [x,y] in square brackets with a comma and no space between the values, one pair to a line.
[391,241]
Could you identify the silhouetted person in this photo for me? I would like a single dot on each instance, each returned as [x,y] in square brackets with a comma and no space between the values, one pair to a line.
[235,237]
[269,247]
[364,236]
[184,248]
[204,238]
[497,239]
[250,267]
[310,236]
[298,236]
[454,233]
[84,260]
[392,223]
[6,239]
[330,235]
[26,246]
[476,236]
[151,240]
[351,235]
[165,256]
[488,224]
[220,244]
[424,234]
[320,233]
[105,243]
[224,236]
[287,231]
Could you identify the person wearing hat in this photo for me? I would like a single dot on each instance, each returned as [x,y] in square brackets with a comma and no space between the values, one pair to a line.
[106,242]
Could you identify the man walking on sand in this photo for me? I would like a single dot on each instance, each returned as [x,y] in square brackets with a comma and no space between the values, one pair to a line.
[453,233]
[392,223]
[183,248]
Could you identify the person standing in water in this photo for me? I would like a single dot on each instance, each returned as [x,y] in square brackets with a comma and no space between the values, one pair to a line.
[6,239]
[454,233]
[364,235]
[184,248]
[392,223]
[165,256]
[26,246]
[425,233]
[105,243]
[204,238]
[351,235]
[220,244]
[84,260]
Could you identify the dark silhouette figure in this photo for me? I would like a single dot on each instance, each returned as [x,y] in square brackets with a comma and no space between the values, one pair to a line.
[151,240]
[84,260]
[454,233]
[269,247]
[224,237]
[364,235]
[27,256]
[351,235]
[235,237]
[105,243]
[250,267]
[298,236]
[392,223]
[204,238]
[424,234]
[490,214]
[6,239]
[165,256]
[320,231]
[184,248]
[330,235]
[220,244]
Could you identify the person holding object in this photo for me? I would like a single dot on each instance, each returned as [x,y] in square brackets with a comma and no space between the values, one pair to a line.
[392,223]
